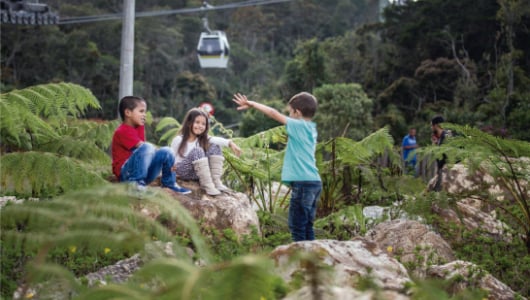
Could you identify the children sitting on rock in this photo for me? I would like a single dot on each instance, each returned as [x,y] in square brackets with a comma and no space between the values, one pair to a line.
[135,160]
[199,156]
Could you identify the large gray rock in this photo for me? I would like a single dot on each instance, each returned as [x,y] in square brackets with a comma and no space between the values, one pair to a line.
[476,211]
[472,214]
[350,262]
[474,217]
[116,273]
[413,243]
[230,210]
[465,275]
[458,179]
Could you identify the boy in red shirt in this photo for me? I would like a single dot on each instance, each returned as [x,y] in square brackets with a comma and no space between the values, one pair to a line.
[135,160]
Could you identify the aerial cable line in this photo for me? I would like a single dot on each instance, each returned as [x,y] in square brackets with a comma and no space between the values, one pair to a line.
[119,16]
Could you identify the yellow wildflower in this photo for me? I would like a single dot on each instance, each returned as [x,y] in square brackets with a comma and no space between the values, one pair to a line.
[73,249]
[29,295]
[107,250]
[389,249]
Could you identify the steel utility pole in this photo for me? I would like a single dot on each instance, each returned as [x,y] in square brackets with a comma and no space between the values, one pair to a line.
[127,50]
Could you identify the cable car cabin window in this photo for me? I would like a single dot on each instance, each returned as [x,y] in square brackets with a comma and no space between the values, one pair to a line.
[210,46]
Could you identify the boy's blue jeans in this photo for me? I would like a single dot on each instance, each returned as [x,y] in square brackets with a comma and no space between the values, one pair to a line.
[145,164]
[303,208]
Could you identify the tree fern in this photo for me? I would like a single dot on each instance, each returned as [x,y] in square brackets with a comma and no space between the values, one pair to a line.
[83,150]
[57,100]
[44,174]
[352,152]
[29,115]
[67,153]
[336,159]
[19,126]
[95,224]
[97,132]
[341,151]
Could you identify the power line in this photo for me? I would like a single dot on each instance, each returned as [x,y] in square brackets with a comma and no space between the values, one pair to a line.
[118,16]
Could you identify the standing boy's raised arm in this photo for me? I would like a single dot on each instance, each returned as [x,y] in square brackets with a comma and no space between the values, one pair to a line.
[244,103]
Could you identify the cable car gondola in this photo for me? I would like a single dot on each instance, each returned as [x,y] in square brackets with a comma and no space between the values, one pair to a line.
[213,50]
[26,13]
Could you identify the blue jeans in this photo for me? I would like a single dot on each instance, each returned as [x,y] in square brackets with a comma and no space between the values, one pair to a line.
[145,164]
[303,208]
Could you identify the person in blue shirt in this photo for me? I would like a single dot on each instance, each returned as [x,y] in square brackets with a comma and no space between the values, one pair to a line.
[409,146]
[299,164]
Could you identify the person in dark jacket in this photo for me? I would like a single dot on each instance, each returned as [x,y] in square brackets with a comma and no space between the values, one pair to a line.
[438,137]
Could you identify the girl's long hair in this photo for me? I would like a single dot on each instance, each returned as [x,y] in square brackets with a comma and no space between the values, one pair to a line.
[185,130]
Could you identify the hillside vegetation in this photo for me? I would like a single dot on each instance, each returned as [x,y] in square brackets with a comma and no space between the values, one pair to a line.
[464,59]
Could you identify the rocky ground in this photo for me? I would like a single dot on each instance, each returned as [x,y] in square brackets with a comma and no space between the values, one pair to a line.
[5,199]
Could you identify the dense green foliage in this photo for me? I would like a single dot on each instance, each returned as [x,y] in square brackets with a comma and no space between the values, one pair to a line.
[352,173]
[344,111]
[460,58]
[463,59]
[84,231]
[46,148]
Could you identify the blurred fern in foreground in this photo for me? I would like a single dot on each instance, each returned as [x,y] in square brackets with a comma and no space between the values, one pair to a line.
[81,232]
[46,149]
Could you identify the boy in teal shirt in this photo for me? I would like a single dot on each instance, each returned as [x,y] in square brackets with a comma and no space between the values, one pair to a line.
[299,164]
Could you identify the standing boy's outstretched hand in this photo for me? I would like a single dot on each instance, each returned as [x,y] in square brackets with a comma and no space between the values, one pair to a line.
[244,103]
[241,101]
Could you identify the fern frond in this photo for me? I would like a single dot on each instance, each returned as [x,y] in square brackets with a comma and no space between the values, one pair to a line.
[85,150]
[475,139]
[276,135]
[19,127]
[90,223]
[58,100]
[218,127]
[87,241]
[167,123]
[379,141]
[97,199]
[97,216]
[352,152]
[55,281]
[44,221]
[258,160]
[98,132]
[476,147]
[40,174]
[181,279]
[247,277]
[255,162]
[168,136]
[23,111]
[169,128]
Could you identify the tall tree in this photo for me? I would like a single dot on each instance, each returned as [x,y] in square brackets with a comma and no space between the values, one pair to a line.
[344,110]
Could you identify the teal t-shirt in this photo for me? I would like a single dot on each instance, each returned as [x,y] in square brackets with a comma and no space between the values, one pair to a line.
[299,163]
